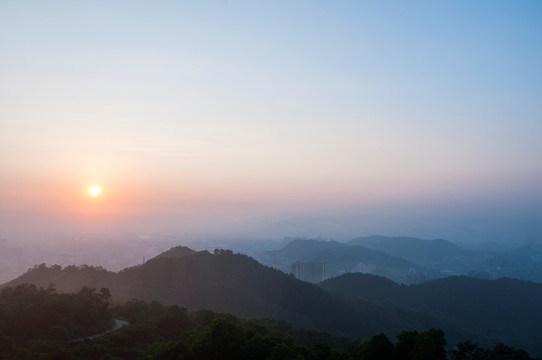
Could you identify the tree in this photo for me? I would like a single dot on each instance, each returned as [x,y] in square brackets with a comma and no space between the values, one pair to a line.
[220,340]
[379,347]
[430,344]
[469,350]
[404,346]
[504,352]
[8,349]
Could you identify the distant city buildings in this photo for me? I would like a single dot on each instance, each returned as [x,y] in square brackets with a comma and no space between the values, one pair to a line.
[288,239]
[312,272]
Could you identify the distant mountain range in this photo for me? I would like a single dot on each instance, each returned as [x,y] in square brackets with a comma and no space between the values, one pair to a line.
[409,260]
[342,258]
[411,248]
[353,305]
[444,258]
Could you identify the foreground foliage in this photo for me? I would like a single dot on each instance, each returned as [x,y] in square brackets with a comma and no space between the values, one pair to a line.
[27,312]
[160,332]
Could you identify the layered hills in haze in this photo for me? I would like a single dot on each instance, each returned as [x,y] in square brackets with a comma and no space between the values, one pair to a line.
[410,248]
[352,305]
[410,260]
[443,258]
[340,258]
[232,283]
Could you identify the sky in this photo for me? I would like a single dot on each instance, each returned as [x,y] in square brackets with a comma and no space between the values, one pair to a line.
[272,118]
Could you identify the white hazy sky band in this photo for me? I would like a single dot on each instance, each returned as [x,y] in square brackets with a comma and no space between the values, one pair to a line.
[279,104]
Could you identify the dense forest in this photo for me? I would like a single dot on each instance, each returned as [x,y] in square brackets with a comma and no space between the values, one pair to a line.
[27,312]
[157,332]
[506,309]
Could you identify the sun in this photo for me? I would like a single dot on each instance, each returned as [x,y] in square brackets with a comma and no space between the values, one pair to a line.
[94,191]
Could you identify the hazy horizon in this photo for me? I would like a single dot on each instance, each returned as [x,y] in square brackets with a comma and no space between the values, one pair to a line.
[236,119]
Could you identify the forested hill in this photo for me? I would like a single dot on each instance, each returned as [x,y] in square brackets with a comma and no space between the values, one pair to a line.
[238,284]
[507,310]
[27,312]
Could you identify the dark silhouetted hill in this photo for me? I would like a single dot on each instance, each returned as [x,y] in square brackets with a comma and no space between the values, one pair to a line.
[69,279]
[504,310]
[176,252]
[27,312]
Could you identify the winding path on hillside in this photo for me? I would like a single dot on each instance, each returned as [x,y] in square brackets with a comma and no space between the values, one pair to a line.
[118,325]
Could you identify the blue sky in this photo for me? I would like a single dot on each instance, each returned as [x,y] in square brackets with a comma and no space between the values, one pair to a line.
[276,109]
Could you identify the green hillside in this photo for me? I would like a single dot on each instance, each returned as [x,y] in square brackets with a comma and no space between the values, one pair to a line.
[504,310]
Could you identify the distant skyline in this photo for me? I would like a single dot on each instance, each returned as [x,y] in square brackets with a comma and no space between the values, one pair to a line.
[272,118]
